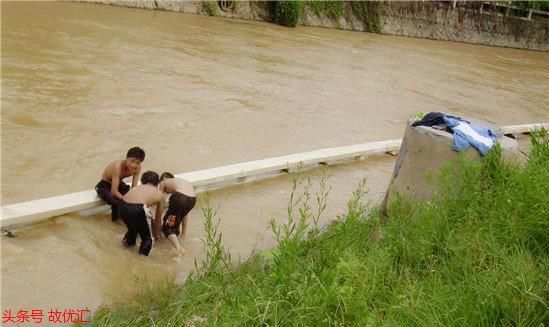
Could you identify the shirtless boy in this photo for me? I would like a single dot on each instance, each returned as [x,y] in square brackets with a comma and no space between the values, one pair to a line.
[112,188]
[136,215]
[181,202]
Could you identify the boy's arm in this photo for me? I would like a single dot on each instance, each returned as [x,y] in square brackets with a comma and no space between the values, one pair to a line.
[136,177]
[115,182]
[158,217]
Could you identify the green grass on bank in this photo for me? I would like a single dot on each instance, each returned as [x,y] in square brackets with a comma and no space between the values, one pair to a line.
[477,255]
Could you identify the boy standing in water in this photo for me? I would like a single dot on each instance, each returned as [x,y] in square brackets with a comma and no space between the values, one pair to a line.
[182,201]
[112,188]
[136,215]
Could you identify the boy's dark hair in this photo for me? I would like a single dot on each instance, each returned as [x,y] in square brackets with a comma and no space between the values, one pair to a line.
[137,153]
[150,177]
[165,175]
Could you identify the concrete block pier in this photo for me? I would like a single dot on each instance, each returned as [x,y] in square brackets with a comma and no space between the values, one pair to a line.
[425,150]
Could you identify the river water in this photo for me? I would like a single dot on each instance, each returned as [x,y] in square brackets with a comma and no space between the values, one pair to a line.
[82,83]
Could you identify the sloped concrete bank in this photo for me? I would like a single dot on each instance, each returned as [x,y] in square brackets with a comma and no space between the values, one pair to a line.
[468,22]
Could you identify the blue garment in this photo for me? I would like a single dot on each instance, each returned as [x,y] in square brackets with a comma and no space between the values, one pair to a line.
[467,134]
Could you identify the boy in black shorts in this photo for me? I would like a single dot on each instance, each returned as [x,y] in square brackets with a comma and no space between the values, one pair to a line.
[182,201]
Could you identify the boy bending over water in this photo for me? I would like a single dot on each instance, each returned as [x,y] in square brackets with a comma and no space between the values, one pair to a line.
[112,188]
[136,215]
[182,201]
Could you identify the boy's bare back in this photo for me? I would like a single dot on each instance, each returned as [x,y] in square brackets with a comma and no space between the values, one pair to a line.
[145,194]
[180,185]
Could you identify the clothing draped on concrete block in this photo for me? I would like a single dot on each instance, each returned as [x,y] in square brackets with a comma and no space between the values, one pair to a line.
[465,133]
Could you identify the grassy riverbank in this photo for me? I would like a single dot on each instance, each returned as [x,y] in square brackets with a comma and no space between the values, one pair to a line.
[478,254]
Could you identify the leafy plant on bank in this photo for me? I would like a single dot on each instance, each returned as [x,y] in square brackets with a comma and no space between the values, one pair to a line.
[288,12]
[209,7]
[369,13]
[333,9]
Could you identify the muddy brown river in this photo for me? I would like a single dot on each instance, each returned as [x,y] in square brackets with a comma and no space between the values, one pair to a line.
[82,83]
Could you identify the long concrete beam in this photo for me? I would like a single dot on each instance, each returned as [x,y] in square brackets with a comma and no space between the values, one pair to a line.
[15,215]
[207,179]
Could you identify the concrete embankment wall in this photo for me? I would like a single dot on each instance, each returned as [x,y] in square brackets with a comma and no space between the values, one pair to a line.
[469,24]
[436,20]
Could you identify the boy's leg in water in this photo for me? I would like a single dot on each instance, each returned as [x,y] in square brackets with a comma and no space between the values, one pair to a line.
[131,235]
[171,225]
[145,233]
[175,242]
